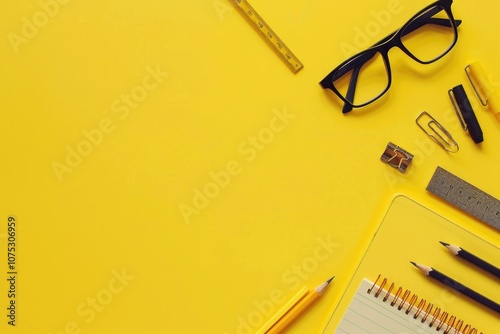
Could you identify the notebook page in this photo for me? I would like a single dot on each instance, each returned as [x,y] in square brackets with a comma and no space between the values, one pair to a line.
[367,314]
[408,232]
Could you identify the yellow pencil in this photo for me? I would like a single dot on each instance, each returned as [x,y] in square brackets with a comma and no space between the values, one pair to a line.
[298,308]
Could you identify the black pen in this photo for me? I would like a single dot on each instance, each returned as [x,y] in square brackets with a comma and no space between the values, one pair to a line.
[457,286]
[465,113]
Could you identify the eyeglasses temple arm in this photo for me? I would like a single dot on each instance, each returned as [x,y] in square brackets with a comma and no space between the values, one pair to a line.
[427,18]
[351,89]
[433,20]
[358,63]
[412,27]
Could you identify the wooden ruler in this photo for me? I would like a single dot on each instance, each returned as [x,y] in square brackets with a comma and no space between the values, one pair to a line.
[268,34]
[465,196]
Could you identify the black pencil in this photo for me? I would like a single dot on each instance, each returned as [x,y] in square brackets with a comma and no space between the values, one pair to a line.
[457,286]
[460,252]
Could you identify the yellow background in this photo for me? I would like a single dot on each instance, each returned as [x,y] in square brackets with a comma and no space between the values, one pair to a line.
[413,232]
[294,207]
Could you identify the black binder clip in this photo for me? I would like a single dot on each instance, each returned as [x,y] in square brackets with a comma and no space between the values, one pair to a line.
[465,113]
[396,157]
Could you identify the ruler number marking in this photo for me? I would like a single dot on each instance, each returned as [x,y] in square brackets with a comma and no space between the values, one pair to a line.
[279,47]
[465,196]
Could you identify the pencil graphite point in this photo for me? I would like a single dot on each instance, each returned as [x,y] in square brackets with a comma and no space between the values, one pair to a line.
[328,282]
[452,248]
[422,268]
[419,266]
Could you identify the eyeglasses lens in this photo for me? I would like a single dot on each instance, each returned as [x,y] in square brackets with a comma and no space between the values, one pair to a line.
[366,73]
[430,35]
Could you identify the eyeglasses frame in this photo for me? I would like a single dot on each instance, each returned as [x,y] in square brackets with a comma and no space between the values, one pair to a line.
[383,47]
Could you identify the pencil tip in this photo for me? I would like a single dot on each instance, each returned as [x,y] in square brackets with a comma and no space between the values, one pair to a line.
[425,269]
[331,279]
[444,244]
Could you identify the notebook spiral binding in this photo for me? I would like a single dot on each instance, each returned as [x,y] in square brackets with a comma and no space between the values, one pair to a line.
[434,316]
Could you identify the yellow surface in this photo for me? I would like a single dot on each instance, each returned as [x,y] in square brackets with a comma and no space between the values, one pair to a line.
[169,174]
[294,313]
[487,93]
[278,316]
[411,232]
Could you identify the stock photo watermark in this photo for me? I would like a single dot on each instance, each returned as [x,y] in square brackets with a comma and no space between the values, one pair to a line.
[30,26]
[221,7]
[366,35]
[293,278]
[425,148]
[88,310]
[248,150]
[121,107]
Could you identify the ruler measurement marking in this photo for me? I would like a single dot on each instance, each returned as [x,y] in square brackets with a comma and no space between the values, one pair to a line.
[465,196]
[269,36]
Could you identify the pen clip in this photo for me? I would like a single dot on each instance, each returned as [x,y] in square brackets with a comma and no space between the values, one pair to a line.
[484,101]
[457,109]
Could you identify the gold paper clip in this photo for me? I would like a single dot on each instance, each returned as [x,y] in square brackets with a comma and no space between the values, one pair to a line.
[437,133]
[397,157]
[485,92]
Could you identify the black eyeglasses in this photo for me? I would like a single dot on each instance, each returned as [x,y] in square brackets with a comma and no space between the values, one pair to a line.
[366,76]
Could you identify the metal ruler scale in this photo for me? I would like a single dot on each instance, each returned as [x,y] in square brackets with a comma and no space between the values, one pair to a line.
[268,34]
[465,196]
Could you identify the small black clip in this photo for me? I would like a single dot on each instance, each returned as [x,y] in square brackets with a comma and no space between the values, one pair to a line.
[465,113]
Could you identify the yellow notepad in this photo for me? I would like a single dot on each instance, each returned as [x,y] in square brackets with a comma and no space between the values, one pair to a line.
[411,232]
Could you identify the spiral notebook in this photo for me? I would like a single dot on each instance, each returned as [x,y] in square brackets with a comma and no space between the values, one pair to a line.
[381,311]
[411,232]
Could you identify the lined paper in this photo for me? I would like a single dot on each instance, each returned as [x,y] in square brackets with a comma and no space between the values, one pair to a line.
[369,315]
[407,232]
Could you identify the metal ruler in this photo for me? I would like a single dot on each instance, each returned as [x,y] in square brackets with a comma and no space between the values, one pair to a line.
[465,196]
[268,34]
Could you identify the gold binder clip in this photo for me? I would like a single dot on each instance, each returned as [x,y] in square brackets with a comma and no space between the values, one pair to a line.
[437,132]
[397,157]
